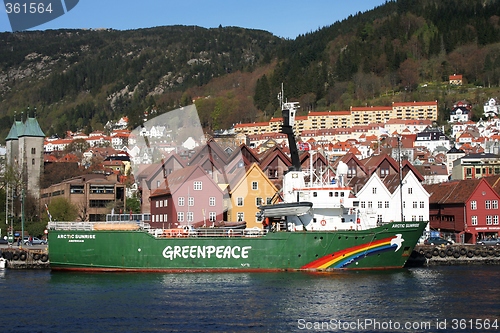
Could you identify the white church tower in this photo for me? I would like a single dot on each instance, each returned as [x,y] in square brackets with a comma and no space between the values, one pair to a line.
[25,153]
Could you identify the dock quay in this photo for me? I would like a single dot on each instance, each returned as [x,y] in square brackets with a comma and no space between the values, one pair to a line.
[25,258]
[456,254]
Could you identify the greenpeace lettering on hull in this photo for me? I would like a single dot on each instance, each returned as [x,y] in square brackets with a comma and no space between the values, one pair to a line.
[210,251]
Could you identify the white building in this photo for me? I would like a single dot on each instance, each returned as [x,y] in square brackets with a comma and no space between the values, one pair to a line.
[431,138]
[376,197]
[491,108]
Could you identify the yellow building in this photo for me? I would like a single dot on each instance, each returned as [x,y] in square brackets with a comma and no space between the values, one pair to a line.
[356,116]
[250,191]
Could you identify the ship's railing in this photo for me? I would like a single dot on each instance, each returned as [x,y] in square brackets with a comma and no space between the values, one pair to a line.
[128,217]
[207,232]
[89,226]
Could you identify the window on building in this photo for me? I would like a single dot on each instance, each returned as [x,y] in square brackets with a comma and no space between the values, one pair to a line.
[160,202]
[351,172]
[370,204]
[77,189]
[269,201]
[212,216]
[190,216]
[420,218]
[473,205]
[240,216]
[374,190]
[495,219]
[190,201]
[410,190]
[379,204]
[363,204]
[415,204]
[211,201]
[99,203]
[239,202]
[180,216]
[379,219]
[102,189]
[180,201]
[33,151]
[255,185]
[258,201]
[32,161]
[473,220]
[384,172]
[386,204]
[166,202]
[422,204]
[494,204]
[489,220]
[197,185]
[487,204]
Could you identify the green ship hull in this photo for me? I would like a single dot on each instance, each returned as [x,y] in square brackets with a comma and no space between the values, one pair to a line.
[385,247]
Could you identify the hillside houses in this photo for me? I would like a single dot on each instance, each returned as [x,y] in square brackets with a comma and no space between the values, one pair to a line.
[249,173]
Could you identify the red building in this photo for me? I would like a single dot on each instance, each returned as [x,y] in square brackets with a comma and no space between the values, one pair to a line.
[190,197]
[468,208]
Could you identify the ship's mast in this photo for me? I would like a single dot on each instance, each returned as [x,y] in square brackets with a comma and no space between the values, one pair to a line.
[400,161]
[288,111]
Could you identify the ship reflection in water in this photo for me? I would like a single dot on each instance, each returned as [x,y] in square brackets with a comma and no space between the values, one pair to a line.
[248,302]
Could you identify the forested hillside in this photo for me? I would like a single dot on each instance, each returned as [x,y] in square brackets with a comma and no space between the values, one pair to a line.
[80,79]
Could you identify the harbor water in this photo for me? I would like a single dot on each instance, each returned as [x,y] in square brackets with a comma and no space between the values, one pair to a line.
[432,299]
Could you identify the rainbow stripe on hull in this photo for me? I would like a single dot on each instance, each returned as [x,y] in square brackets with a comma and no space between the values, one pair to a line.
[351,255]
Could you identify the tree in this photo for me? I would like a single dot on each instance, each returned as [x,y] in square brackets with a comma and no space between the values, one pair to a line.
[262,95]
[62,209]
[78,146]
[133,204]
[54,173]
[408,72]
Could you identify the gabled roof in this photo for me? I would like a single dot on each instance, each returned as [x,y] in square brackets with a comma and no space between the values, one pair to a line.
[13,135]
[238,181]
[248,153]
[29,128]
[273,153]
[179,178]
[373,162]
[347,158]
[454,192]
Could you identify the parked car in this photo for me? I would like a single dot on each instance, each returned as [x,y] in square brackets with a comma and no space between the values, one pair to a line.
[34,241]
[4,240]
[489,241]
[437,241]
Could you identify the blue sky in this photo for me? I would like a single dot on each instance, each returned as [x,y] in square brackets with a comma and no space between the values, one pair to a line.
[284,18]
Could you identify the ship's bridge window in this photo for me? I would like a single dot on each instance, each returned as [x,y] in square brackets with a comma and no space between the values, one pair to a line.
[341,194]
[336,194]
[330,194]
[315,194]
